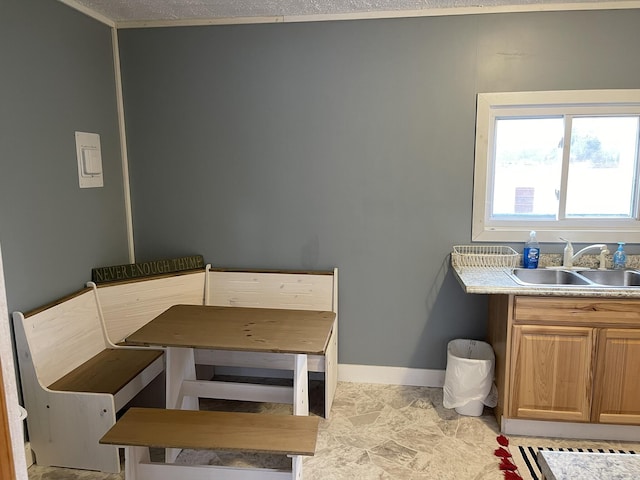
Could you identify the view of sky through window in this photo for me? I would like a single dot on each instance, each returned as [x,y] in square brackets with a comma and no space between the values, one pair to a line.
[600,175]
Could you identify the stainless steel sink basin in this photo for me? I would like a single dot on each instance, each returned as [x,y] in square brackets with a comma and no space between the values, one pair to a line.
[585,278]
[541,276]
[613,278]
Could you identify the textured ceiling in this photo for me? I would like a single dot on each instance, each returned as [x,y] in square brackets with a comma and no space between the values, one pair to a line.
[129,11]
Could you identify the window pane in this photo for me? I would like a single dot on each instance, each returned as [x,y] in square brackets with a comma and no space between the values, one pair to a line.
[527,168]
[602,167]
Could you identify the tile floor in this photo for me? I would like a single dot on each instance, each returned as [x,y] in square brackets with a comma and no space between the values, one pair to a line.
[375,432]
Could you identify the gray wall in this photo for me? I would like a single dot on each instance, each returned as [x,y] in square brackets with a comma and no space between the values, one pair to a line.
[56,77]
[347,144]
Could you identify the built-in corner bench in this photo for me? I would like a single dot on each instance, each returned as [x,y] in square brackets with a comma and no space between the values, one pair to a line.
[74,381]
[77,372]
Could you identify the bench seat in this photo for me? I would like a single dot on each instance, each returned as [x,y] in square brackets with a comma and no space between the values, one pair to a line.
[141,428]
[107,372]
[209,430]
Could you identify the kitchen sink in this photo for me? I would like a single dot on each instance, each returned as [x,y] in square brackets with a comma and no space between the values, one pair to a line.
[613,278]
[585,278]
[527,276]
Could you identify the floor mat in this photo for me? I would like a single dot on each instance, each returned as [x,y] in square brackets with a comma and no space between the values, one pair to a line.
[526,458]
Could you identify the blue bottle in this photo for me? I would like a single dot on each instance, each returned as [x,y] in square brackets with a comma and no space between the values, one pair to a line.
[531,253]
[619,257]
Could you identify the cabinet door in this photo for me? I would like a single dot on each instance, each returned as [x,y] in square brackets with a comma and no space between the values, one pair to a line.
[617,389]
[551,372]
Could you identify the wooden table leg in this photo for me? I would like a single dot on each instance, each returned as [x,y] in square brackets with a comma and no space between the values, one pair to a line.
[133,456]
[180,366]
[300,385]
[296,467]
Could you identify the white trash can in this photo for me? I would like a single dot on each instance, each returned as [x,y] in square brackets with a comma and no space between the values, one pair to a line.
[468,381]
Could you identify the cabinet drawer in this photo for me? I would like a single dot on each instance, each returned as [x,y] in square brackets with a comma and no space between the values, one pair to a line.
[585,311]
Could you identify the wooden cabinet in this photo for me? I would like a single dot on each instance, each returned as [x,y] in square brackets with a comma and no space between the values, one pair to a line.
[551,377]
[617,389]
[570,359]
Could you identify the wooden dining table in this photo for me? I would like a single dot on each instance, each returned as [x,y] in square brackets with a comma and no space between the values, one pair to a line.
[183,328]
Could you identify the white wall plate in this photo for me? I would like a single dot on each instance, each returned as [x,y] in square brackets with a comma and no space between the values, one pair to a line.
[89,160]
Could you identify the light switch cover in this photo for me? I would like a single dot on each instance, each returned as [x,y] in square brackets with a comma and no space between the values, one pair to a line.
[89,160]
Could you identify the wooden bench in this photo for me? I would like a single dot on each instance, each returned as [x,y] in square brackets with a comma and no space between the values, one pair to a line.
[141,428]
[126,306]
[74,381]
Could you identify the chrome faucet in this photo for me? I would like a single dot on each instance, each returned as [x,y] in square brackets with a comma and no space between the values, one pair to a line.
[570,257]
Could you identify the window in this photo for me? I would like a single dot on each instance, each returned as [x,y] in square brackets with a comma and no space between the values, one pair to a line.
[562,163]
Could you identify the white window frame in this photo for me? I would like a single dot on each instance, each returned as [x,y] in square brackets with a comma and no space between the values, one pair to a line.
[584,102]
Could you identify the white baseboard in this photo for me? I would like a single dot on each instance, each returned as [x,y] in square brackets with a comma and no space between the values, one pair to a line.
[390,375]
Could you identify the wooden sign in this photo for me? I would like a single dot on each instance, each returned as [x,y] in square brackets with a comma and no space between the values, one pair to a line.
[117,273]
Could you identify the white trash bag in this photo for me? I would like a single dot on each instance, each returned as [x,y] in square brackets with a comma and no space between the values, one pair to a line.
[468,380]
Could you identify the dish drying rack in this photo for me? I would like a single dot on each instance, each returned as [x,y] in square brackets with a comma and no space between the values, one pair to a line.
[484,256]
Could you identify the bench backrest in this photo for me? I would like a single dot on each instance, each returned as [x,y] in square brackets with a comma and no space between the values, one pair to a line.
[272,289]
[62,336]
[128,306]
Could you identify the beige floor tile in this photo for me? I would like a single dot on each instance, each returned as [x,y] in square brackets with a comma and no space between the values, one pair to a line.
[375,432]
